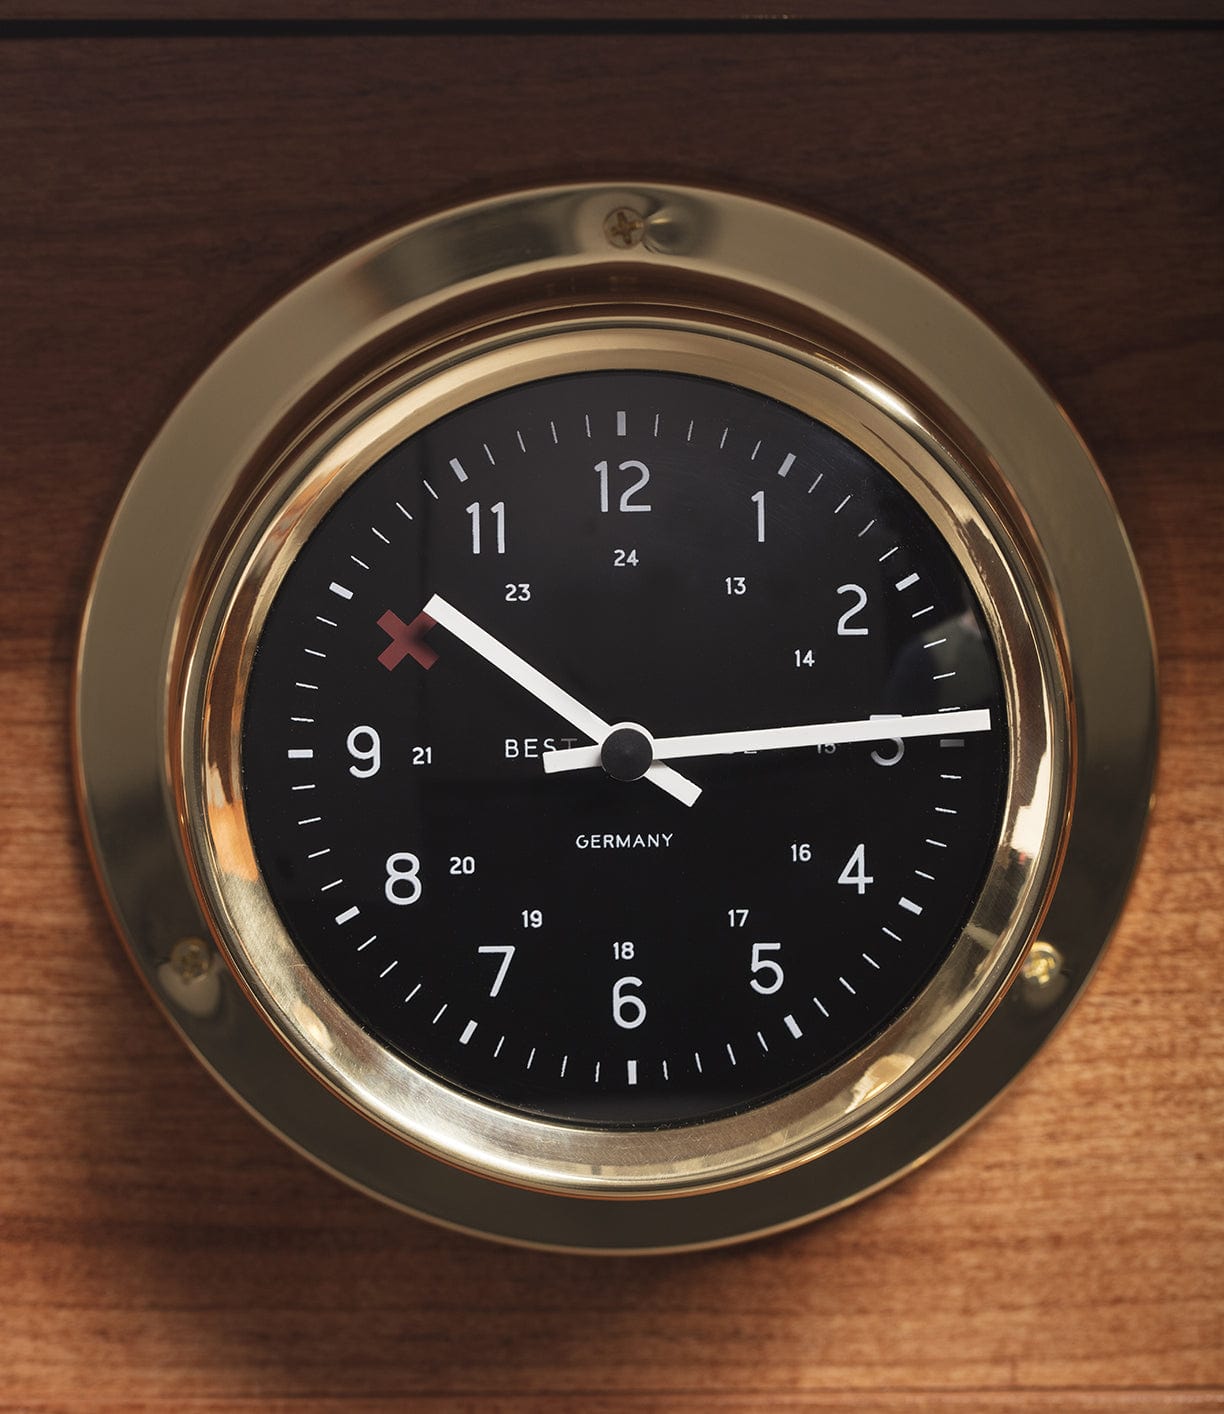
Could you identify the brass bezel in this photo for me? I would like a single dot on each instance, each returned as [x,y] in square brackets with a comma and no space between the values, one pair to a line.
[458,1127]
[426,304]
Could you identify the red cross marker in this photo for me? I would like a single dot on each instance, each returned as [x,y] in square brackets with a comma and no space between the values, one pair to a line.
[407,640]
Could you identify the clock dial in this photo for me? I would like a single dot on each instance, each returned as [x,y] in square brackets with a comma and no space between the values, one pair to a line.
[514,763]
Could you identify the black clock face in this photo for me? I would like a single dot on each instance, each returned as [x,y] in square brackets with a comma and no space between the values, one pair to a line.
[518,761]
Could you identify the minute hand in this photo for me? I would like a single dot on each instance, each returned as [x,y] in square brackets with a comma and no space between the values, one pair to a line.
[784,738]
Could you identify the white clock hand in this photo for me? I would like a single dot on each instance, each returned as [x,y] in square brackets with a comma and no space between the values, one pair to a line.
[547,691]
[779,738]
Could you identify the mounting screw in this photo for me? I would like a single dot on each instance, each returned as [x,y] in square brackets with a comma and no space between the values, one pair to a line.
[624,228]
[191,959]
[1042,966]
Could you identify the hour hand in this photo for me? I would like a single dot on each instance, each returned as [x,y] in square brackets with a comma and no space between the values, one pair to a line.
[548,692]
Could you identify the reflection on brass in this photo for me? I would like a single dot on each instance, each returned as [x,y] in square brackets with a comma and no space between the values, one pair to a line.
[476,299]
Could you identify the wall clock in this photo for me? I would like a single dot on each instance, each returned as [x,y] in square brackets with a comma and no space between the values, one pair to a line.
[616,718]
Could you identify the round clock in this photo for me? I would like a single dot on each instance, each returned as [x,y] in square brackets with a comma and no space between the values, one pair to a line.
[614,694]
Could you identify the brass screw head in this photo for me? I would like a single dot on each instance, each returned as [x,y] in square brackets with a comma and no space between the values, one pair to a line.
[1042,965]
[624,228]
[191,959]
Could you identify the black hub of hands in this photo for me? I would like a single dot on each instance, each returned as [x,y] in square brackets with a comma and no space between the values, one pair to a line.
[627,753]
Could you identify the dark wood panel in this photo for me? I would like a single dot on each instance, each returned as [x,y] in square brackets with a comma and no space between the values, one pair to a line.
[621,11]
[157,1249]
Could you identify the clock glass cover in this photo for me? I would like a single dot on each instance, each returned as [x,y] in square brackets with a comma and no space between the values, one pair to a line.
[579,936]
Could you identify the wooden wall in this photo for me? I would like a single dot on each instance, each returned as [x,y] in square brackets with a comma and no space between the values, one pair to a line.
[160,183]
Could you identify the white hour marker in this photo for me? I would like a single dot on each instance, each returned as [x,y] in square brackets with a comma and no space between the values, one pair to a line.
[787,462]
[457,467]
[348,915]
[793,1026]
[340,590]
[907,581]
[468,1032]
[301,753]
[622,429]
[909,905]
[631,1071]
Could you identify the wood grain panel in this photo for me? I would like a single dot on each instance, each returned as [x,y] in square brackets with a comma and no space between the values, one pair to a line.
[157,1249]
[622,12]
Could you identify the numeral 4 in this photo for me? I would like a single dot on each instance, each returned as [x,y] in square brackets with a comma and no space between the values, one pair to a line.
[855,873]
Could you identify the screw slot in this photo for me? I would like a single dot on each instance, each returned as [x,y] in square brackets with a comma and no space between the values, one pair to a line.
[624,227]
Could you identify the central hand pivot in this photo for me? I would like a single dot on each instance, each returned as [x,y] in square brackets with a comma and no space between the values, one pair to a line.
[627,752]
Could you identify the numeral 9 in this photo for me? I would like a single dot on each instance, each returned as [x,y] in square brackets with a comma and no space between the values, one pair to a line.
[364,746]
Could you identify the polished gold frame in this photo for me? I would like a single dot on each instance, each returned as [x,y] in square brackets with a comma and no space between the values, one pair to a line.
[426,319]
[516,1147]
